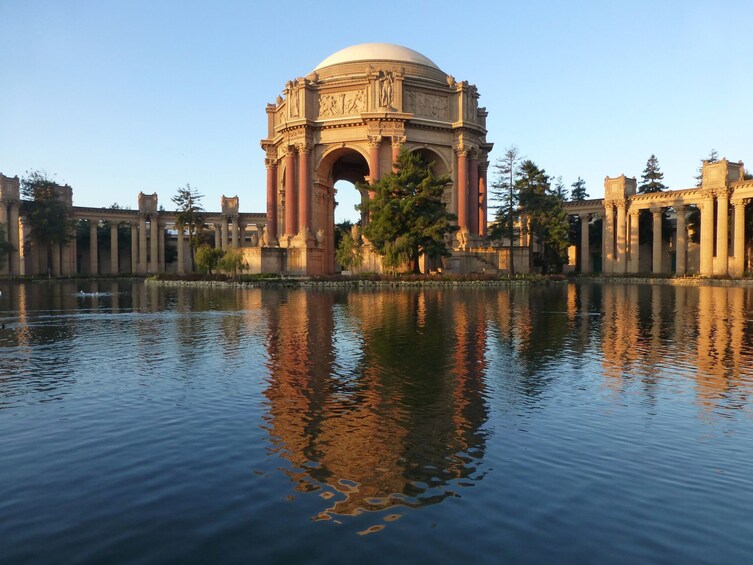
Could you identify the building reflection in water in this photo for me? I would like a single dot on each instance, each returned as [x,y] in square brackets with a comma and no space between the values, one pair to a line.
[655,332]
[377,399]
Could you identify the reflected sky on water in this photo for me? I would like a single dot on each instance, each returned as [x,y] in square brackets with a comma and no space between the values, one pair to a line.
[565,422]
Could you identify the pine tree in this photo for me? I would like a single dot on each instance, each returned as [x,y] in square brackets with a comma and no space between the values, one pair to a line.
[407,217]
[190,216]
[578,193]
[504,192]
[546,214]
[652,177]
[712,158]
[559,189]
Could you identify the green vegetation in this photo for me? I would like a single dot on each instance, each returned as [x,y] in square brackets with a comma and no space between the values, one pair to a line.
[190,217]
[652,177]
[207,258]
[349,251]
[503,190]
[547,219]
[578,193]
[232,261]
[47,212]
[407,217]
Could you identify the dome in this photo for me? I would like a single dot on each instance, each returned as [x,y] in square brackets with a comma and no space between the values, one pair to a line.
[376,52]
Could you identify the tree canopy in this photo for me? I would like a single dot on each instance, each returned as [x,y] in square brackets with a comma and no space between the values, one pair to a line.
[712,158]
[407,217]
[652,177]
[544,212]
[578,192]
[190,215]
[504,191]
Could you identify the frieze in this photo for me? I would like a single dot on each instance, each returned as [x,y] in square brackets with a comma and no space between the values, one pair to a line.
[427,105]
[342,103]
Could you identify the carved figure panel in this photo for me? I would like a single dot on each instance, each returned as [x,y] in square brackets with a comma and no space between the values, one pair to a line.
[427,105]
[342,103]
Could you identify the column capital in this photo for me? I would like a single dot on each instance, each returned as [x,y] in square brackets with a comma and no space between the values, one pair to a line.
[634,212]
[304,147]
[462,150]
[680,208]
[270,163]
[621,204]
[656,211]
[707,194]
[722,192]
[740,202]
[374,140]
[398,140]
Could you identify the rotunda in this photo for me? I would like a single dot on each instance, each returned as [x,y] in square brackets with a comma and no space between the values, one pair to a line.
[348,120]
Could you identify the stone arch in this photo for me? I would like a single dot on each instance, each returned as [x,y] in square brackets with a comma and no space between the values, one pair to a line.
[343,162]
[441,165]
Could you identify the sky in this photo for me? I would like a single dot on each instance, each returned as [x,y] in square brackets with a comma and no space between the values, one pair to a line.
[117,97]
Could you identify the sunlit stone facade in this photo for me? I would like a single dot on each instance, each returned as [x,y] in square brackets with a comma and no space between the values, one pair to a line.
[348,120]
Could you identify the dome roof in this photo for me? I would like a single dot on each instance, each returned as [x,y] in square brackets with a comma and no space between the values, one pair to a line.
[376,52]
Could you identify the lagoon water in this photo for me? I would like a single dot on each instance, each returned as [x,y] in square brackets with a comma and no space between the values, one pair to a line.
[603,423]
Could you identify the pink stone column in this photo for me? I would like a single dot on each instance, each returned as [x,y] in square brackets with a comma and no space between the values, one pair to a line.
[462,192]
[473,195]
[271,200]
[397,145]
[304,187]
[482,197]
[374,144]
[291,195]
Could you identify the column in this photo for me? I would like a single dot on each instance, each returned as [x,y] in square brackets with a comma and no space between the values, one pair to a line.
[607,262]
[304,187]
[223,230]
[656,213]
[142,245]
[161,245]
[635,242]
[93,248]
[482,169]
[462,192]
[707,234]
[5,269]
[217,237]
[739,242]
[681,242]
[473,194]
[134,247]
[722,232]
[585,250]
[72,252]
[291,195]
[153,245]
[397,145]
[234,232]
[374,144]
[271,200]
[242,235]
[15,239]
[621,251]
[114,258]
[22,232]
[181,258]
[55,250]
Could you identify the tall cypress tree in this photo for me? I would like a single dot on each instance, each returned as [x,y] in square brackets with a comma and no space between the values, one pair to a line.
[652,177]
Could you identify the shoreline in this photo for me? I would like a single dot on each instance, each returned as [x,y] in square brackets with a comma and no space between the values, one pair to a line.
[305,282]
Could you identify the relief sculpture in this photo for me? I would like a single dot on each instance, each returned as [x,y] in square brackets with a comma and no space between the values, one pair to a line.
[429,105]
[342,103]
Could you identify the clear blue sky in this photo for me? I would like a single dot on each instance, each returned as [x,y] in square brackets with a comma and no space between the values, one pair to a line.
[114,97]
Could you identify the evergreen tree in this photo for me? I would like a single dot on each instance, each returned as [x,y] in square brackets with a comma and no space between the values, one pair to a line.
[407,217]
[712,158]
[546,215]
[47,211]
[559,189]
[578,192]
[652,177]
[504,192]
[190,216]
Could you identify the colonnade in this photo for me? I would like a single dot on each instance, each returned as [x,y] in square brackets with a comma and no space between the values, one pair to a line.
[471,190]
